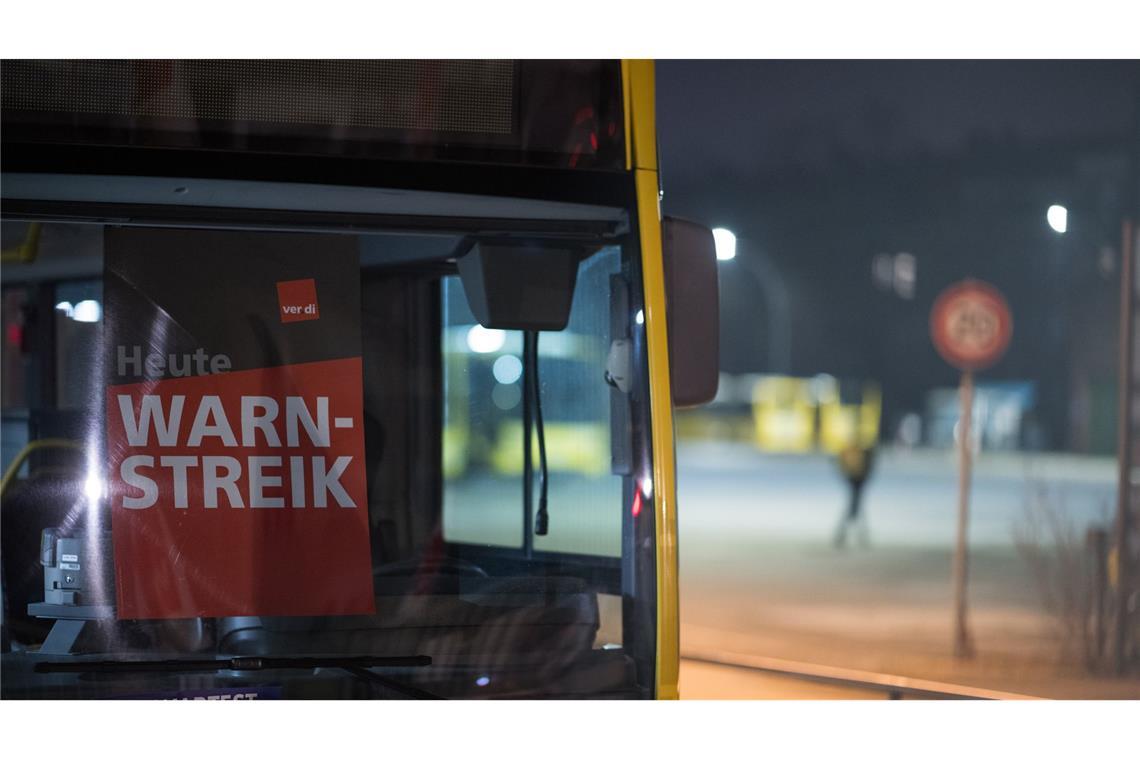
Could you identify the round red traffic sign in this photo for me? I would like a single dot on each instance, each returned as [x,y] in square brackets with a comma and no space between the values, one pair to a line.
[971,325]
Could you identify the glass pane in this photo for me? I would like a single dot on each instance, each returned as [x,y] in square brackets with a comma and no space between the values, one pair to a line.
[440,470]
[823,499]
[483,434]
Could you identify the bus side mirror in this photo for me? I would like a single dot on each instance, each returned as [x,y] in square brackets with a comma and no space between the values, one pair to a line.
[692,307]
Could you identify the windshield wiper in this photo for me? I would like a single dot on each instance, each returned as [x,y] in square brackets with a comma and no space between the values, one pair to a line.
[357,666]
[530,369]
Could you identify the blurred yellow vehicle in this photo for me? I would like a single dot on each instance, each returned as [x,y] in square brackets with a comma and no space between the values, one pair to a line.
[799,414]
[783,412]
[582,447]
[577,434]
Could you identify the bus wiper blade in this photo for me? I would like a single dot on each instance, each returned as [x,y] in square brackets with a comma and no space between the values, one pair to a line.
[530,368]
[233,663]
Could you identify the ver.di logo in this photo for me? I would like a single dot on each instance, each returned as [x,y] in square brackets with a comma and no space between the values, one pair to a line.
[297,300]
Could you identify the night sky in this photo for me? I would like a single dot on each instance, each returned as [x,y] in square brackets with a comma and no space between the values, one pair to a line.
[821,166]
[741,116]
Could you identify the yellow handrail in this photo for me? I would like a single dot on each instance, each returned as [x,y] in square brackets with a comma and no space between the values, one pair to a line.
[27,451]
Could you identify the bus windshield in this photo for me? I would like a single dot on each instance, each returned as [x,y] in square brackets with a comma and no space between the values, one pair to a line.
[250,463]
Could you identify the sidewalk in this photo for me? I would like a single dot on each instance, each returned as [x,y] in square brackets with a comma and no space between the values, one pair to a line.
[1018,673]
[892,633]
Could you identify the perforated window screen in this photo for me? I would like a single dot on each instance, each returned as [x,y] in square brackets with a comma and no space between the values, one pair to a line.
[562,113]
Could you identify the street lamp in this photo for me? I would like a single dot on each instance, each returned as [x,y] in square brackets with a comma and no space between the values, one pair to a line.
[1058,218]
[768,281]
[725,242]
[484,341]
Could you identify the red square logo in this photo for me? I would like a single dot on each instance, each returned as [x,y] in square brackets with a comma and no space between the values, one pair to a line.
[297,300]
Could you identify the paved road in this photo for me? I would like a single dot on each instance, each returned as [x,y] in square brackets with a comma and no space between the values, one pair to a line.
[759,574]
[910,499]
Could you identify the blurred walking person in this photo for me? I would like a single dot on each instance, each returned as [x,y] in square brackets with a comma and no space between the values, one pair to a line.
[856,463]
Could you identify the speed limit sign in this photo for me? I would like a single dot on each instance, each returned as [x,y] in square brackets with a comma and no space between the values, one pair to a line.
[971,325]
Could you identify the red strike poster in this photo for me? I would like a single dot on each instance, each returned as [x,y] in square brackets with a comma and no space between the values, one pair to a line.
[234,420]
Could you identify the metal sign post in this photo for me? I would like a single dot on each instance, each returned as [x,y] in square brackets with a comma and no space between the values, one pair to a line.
[971,327]
[963,643]
[1128,382]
